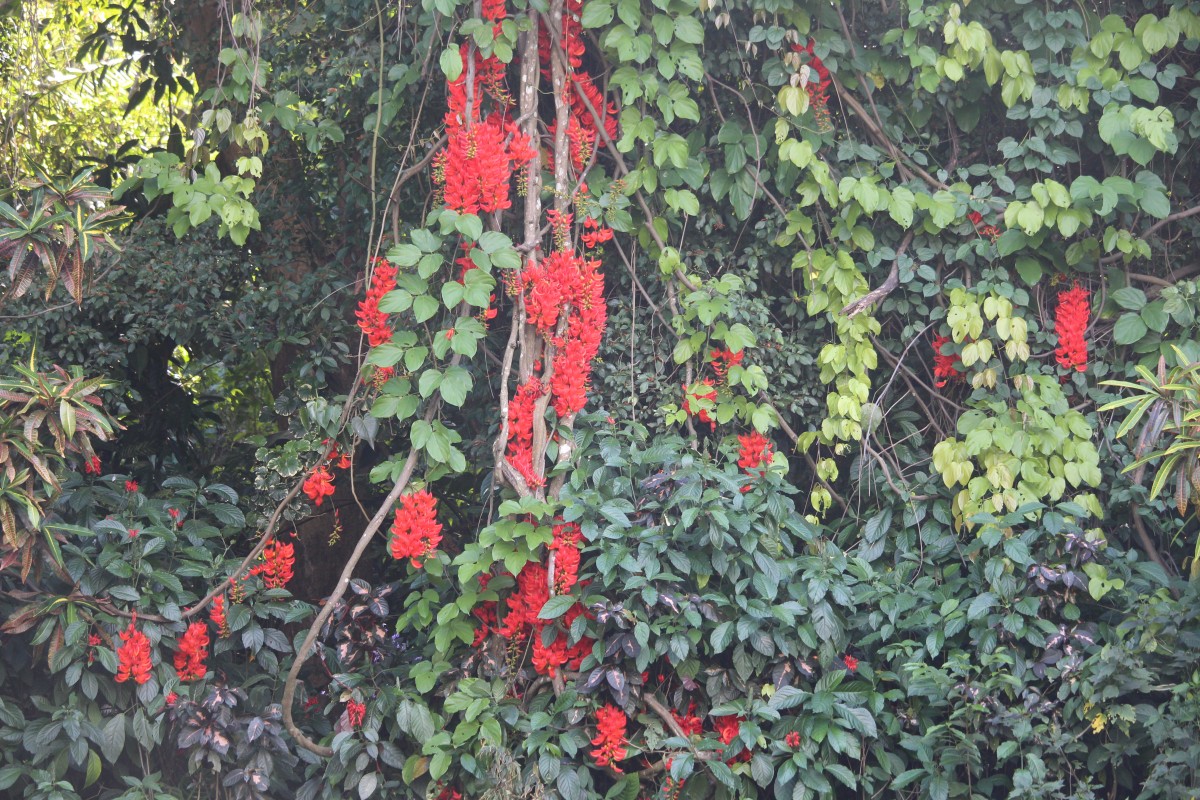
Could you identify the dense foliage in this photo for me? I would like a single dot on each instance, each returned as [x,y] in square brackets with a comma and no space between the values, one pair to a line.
[600,399]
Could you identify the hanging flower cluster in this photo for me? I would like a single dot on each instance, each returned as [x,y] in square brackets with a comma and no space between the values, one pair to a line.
[373,322]
[566,556]
[816,83]
[566,283]
[944,364]
[521,409]
[192,653]
[610,737]
[276,567]
[415,530]
[690,723]
[356,712]
[722,360]
[133,656]
[754,455]
[217,615]
[699,399]
[1070,324]
[319,485]
[583,96]
[990,231]
[475,169]
[727,729]
[550,650]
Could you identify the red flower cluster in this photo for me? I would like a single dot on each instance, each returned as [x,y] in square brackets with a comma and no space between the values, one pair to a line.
[595,234]
[690,722]
[817,86]
[217,615]
[944,369]
[1070,323]
[755,450]
[566,282]
[447,793]
[382,375]
[520,430]
[792,740]
[722,360]
[851,662]
[276,567]
[192,653]
[727,729]
[133,657]
[566,556]
[319,485]
[415,530]
[533,591]
[356,712]
[373,322]
[610,736]
[475,169]
[92,466]
[990,231]
[582,94]
[131,486]
[701,394]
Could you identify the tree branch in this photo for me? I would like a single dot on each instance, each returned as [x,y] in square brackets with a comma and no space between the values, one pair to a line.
[888,286]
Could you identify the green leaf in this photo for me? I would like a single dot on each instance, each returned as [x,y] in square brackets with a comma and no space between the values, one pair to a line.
[689,29]
[424,307]
[596,14]
[454,386]
[451,63]
[557,606]
[1129,329]
[1129,298]
[404,255]
[1030,269]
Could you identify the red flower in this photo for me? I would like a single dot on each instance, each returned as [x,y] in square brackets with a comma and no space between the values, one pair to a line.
[975,218]
[356,712]
[217,615]
[701,394]
[851,662]
[610,734]
[373,322]
[175,514]
[566,559]
[277,564]
[722,360]
[792,740]
[548,658]
[597,234]
[319,485]
[755,451]
[192,653]
[415,531]
[944,369]
[133,532]
[131,486]
[523,607]
[727,729]
[520,430]
[1070,323]
[691,724]
[92,466]
[133,657]
[171,698]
